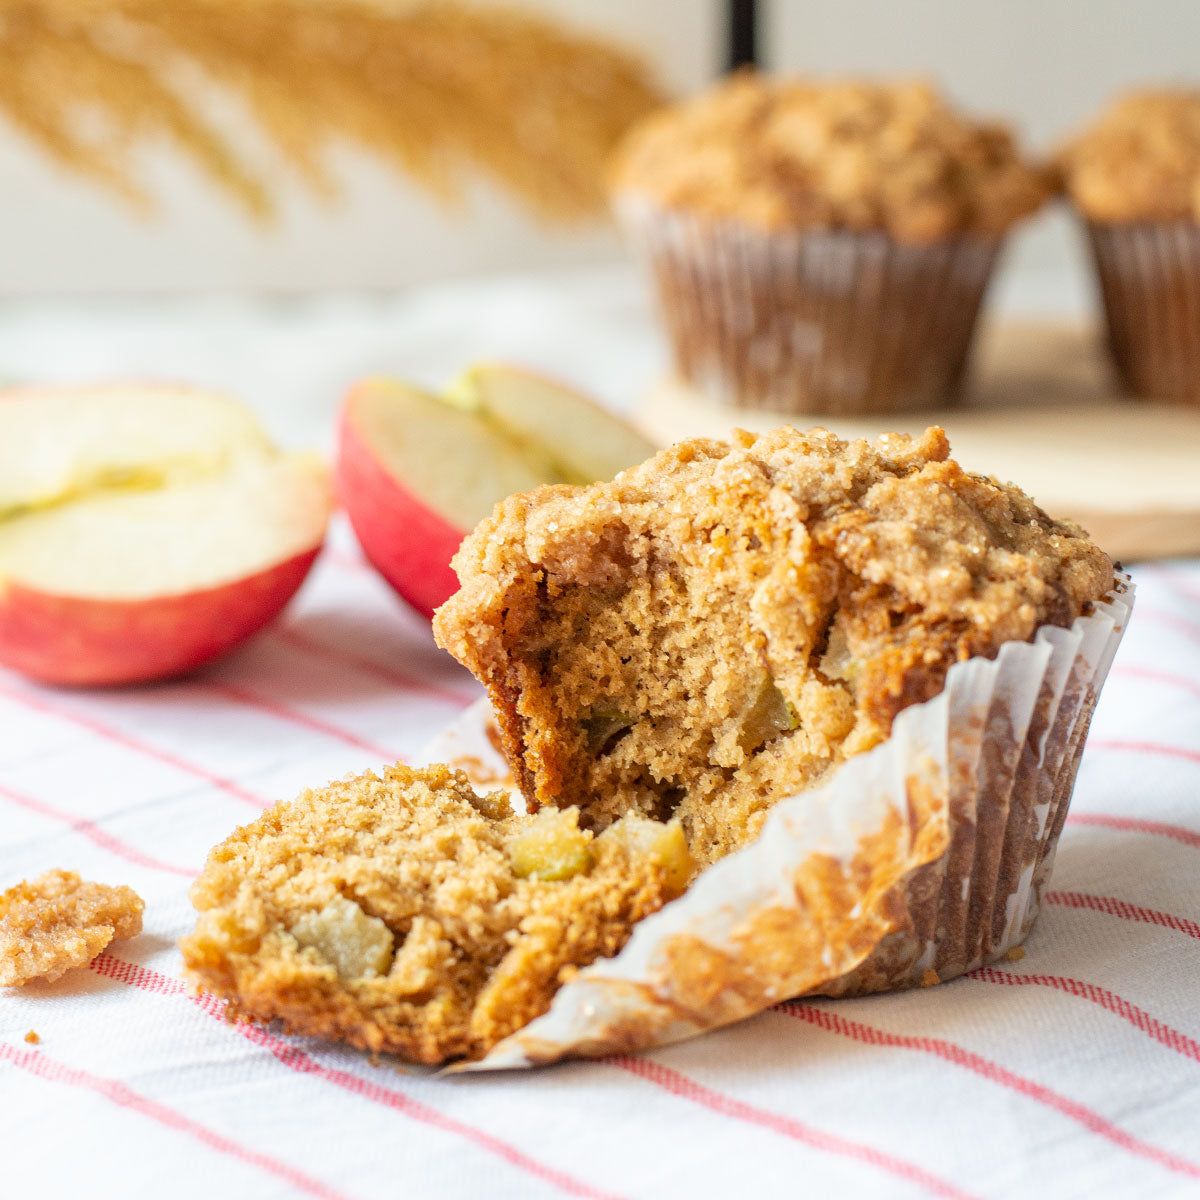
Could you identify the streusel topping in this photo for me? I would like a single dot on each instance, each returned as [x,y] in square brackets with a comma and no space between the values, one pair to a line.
[831,154]
[1140,161]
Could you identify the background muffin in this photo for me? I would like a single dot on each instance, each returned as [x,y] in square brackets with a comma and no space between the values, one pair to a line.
[821,247]
[1134,177]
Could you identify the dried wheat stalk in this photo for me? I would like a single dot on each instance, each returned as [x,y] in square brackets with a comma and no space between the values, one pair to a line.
[435,88]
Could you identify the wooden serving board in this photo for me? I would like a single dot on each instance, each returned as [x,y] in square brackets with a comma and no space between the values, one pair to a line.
[1042,412]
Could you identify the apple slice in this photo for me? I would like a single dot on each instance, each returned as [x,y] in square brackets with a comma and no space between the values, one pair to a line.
[580,441]
[59,442]
[145,567]
[418,472]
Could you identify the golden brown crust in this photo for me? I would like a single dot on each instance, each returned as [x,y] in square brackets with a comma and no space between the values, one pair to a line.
[725,624]
[385,911]
[805,154]
[58,921]
[1139,160]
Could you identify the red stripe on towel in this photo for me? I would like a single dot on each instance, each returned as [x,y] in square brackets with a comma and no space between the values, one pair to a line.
[294,716]
[93,832]
[1126,911]
[1156,748]
[409,683]
[1148,673]
[686,1088]
[1152,1027]
[36,1063]
[291,1056]
[1169,620]
[959,1056]
[1177,833]
[39,704]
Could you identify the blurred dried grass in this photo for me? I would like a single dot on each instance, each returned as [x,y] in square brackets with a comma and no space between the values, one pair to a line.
[437,89]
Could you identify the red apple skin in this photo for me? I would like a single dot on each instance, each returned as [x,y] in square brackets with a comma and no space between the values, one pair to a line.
[406,541]
[85,642]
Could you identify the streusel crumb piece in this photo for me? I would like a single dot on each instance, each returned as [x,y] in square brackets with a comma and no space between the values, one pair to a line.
[58,921]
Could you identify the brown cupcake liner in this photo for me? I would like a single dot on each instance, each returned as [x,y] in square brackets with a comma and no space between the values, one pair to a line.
[918,861]
[819,322]
[1149,278]
[1010,786]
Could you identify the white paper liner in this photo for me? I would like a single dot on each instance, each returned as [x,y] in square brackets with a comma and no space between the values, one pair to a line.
[917,861]
[815,321]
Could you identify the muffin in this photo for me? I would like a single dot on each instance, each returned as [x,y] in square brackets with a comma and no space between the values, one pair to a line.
[792,715]
[728,625]
[821,247]
[1134,179]
[402,912]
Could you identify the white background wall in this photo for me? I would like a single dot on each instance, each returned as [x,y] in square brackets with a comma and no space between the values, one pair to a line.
[61,236]
[1045,63]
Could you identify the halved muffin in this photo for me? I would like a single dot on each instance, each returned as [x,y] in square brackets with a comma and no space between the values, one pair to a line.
[670,655]
[725,624]
[402,912]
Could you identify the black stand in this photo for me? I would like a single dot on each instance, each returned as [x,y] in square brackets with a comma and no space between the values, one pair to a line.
[743,34]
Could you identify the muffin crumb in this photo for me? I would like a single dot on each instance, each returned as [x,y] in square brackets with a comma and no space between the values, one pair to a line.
[929,978]
[1015,953]
[32,1038]
[58,921]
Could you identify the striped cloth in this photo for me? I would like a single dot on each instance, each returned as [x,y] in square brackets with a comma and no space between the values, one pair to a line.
[1073,1071]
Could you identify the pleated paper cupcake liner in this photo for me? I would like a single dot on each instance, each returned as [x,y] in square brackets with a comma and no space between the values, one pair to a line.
[1149,277]
[818,322]
[917,861]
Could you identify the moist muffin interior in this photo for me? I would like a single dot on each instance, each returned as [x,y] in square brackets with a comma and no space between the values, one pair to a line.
[723,625]
[402,912]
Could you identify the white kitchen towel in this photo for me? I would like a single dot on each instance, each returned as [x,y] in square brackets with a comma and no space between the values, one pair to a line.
[1074,1071]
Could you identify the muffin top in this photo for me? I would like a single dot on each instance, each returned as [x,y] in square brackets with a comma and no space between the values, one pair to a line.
[831,155]
[1140,161]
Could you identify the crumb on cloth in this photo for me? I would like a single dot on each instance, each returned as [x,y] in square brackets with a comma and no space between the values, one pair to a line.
[32,1038]
[59,921]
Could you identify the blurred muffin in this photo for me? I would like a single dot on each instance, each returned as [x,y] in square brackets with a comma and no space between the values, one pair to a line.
[821,247]
[1134,177]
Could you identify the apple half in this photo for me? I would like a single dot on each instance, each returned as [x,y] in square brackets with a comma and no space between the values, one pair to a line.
[417,472]
[144,530]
